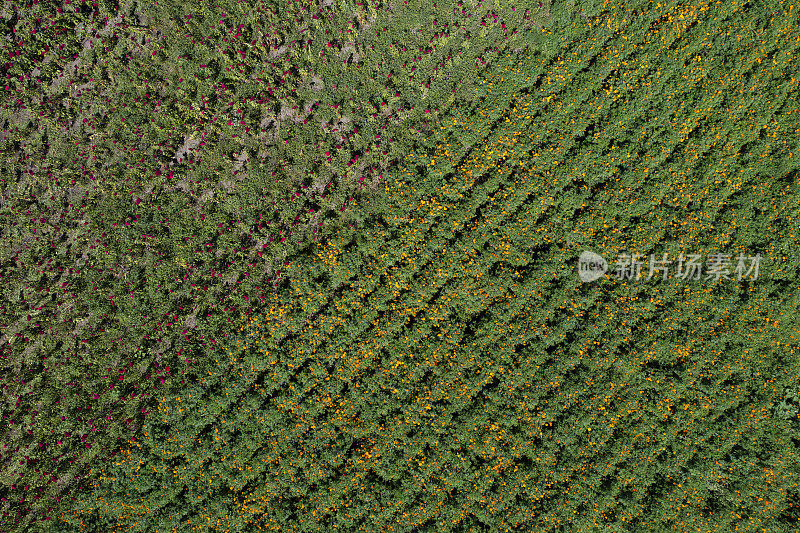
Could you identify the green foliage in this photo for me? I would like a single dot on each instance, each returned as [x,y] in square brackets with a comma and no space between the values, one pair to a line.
[350,303]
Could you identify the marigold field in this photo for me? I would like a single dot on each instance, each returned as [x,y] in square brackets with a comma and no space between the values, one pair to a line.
[307,266]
